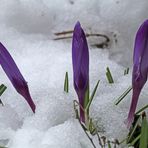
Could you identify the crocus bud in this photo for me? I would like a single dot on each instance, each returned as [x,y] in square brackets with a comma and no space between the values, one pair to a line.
[140,67]
[15,76]
[80,60]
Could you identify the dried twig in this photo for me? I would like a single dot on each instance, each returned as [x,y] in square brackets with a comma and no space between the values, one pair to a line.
[64,32]
[66,35]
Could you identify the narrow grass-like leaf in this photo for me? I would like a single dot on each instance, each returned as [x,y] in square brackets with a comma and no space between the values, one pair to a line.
[126,71]
[135,140]
[82,125]
[109,75]
[92,95]
[144,134]
[142,109]
[92,128]
[133,131]
[86,100]
[123,95]
[86,112]
[1,102]
[109,145]
[124,140]
[66,83]
[2,89]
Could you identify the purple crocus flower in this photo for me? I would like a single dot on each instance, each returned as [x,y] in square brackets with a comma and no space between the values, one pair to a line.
[15,76]
[80,59]
[140,67]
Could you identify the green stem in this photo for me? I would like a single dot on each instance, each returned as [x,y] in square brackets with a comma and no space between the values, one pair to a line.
[77,116]
[142,109]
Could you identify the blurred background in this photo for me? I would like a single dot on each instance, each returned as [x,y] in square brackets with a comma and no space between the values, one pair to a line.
[117,19]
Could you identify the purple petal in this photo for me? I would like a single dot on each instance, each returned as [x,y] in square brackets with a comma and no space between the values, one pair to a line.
[140,67]
[15,76]
[80,59]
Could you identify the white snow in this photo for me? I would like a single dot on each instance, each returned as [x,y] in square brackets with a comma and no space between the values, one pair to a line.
[27,30]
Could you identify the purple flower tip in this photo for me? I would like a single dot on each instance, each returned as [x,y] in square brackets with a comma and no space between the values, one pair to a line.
[80,60]
[78,26]
[15,76]
[140,67]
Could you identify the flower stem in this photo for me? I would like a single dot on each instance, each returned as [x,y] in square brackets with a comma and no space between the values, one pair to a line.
[84,129]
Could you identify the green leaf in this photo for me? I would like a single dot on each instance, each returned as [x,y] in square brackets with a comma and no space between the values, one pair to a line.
[133,130]
[92,128]
[109,75]
[123,95]
[144,134]
[92,95]
[2,89]
[126,71]
[86,100]
[66,83]
[135,140]
[142,109]
[109,145]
